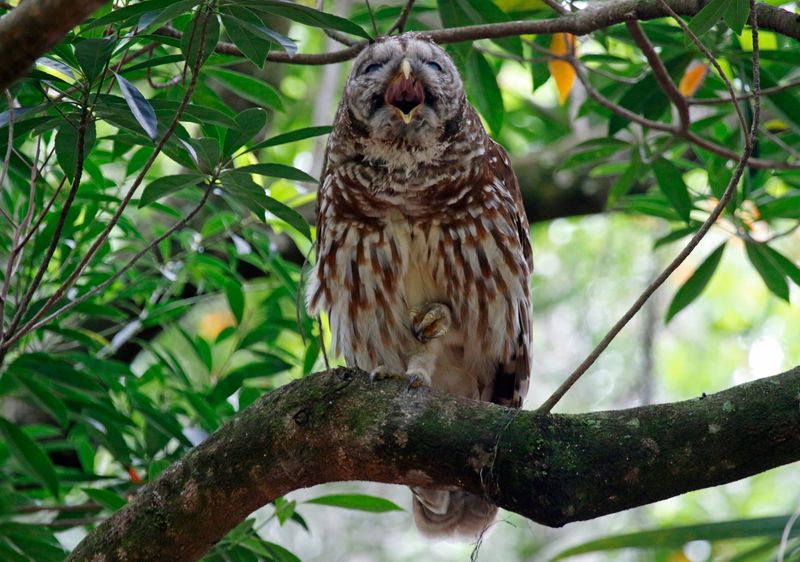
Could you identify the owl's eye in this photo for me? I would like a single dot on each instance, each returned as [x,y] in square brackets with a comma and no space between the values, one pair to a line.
[372,67]
[434,65]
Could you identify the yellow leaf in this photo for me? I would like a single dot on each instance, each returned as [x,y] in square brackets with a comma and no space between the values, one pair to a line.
[562,71]
[693,78]
[776,126]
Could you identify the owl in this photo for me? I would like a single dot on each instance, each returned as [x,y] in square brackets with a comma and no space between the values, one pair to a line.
[423,251]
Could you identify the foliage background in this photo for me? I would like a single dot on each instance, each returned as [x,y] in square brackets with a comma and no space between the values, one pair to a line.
[104,396]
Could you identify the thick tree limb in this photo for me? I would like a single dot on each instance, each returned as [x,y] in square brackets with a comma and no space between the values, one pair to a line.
[553,469]
[32,28]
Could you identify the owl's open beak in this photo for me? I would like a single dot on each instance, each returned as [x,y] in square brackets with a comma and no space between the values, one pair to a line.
[405,93]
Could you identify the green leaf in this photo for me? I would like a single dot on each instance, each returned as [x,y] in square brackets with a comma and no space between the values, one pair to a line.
[693,286]
[152,20]
[787,207]
[248,27]
[108,499]
[736,14]
[253,45]
[250,122]
[92,55]
[625,181]
[785,264]
[162,187]
[785,102]
[593,151]
[279,553]
[67,146]
[29,455]
[309,16]
[458,13]
[140,108]
[292,136]
[360,502]
[278,171]
[45,397]
[235,296]
[269,365]
[676,537]
[646,97]
[670,180]
[247,87]
[208,416]
[152,63]
[769,269]
[484,91]
[706,18]
[246,191]
[206,153]
[132,12]
[676,234]
[190,41]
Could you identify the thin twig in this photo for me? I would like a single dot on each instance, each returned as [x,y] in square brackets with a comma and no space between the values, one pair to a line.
[9,148]
[89,506]
[593,18]
[711,58]
[556,6]
[139,53]
[743,97]
[100,240]
[400,24]
[70,523]
[756,163]
[131,262]
[779,141]
[660,72]
[372,19]
[37,223]
[698,236]
[22,306]
[11,260]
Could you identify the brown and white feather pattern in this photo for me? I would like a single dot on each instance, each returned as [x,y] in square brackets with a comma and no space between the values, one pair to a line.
[429,212]
[455,232]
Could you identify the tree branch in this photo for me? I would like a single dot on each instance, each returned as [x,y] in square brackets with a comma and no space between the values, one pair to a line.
[32,28]
[593,18]
[554,469]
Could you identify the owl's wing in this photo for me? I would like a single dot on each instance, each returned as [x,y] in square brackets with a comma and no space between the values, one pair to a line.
[514,369]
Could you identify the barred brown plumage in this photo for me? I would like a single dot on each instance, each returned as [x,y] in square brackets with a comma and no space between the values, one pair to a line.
[420,208]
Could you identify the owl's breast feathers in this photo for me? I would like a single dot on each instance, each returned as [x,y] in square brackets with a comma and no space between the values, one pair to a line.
[455,232]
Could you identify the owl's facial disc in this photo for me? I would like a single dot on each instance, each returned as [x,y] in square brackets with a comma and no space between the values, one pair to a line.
[405,94]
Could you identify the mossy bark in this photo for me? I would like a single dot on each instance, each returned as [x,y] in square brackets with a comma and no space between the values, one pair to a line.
[337,425]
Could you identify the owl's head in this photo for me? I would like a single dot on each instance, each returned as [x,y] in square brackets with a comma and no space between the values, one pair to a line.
[404,88]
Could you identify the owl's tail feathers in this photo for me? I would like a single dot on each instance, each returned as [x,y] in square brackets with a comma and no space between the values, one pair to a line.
[448,513]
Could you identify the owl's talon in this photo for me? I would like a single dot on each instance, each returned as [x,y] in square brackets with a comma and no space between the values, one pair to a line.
[417,380]
[381,372]
[431,321]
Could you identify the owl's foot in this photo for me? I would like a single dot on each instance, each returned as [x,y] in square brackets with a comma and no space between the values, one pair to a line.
[431,321]
[415,378]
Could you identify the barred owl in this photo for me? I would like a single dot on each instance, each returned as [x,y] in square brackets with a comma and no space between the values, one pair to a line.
[423,252]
